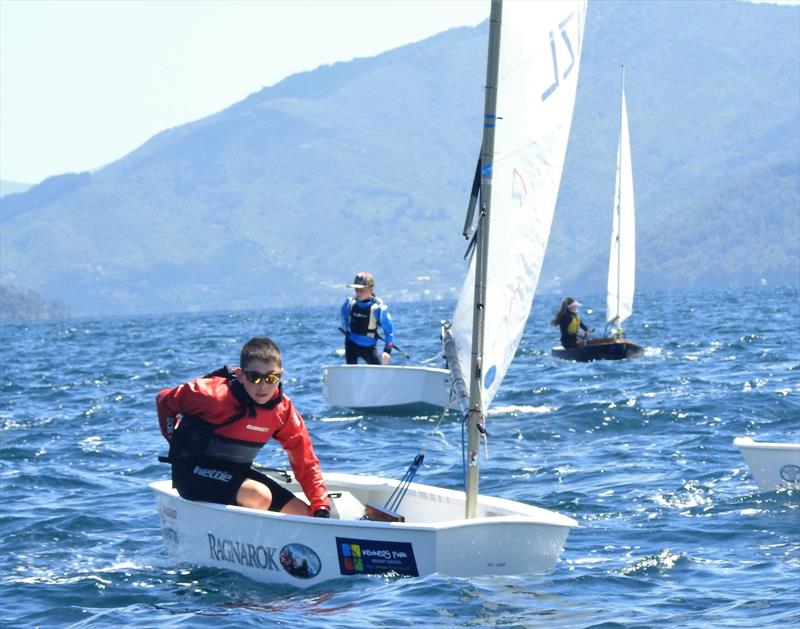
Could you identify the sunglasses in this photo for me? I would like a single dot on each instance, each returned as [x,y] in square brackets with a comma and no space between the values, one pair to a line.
[254,377]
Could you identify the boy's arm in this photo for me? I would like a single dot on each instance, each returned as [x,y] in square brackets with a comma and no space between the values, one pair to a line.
[345,314]
[294,438]
[191,398]
[387,325]
[168,408]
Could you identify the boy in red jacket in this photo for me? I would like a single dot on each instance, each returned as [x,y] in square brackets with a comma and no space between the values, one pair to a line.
[217,424]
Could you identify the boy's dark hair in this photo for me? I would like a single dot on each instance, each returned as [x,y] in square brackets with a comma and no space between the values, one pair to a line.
[260,348]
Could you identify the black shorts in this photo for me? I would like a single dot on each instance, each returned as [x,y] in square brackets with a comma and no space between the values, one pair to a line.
[212,483]
[354,351]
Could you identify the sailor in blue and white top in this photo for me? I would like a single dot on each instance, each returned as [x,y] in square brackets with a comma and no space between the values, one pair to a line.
[365,319]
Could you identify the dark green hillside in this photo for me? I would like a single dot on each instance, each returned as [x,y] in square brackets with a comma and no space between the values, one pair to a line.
[280,198]
[732,225]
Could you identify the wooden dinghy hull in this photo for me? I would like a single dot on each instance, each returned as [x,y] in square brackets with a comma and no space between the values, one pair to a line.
[600,349]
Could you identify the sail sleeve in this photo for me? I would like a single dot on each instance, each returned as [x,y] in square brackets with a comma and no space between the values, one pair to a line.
[540,50]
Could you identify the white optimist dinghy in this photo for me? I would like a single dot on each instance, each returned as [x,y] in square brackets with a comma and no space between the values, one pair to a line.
[772,465]
[387,388]
[504,537]
[383,526]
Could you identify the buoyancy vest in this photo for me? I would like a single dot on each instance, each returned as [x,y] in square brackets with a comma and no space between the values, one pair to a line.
[569,323]
[574,324]
[363,320]
[229,441]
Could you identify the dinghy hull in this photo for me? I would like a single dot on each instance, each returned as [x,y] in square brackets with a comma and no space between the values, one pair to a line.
[387,388]
[772,465]
[508,537]
[600,349]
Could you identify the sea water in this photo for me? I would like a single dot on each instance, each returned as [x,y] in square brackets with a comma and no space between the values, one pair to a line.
[673,530]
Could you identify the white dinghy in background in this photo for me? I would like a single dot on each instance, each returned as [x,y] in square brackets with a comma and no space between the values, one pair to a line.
[771,464]
[531,81]
[387,388]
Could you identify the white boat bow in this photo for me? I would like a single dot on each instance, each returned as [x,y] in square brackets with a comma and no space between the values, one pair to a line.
[771,464]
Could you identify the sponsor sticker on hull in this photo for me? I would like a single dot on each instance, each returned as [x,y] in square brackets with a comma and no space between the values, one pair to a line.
[790,473]
[367,556]
[300,561]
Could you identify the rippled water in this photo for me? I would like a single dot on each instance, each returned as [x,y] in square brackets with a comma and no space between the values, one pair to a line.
[672,527]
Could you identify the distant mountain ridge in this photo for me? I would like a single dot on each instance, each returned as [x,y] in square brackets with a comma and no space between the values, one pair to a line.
[12,187]
[282,197]
[22,304]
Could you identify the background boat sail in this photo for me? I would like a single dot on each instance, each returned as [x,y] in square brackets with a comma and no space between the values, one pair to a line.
[532,74]
[621,261]
[622,257]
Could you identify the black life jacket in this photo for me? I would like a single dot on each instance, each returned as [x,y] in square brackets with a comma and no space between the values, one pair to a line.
[197,439]
[570,323]
[362,320]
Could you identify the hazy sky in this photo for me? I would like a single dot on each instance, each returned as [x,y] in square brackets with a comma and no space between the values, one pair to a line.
[82,83]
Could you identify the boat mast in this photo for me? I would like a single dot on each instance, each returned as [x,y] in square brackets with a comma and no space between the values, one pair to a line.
[619,201]
[475,420]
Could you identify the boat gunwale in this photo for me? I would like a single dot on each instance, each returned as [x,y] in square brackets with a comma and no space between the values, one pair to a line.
[524,513]
[388,368]
[747,443]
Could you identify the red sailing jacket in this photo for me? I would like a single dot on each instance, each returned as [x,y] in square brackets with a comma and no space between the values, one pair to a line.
[214,401]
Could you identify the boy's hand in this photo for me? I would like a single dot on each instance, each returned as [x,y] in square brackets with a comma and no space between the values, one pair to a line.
[322,513]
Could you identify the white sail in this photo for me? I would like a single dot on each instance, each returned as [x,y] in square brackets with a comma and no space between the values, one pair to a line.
[622,260]
[540,48]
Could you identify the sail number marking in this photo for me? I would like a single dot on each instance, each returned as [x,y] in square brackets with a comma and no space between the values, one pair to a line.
[557,78]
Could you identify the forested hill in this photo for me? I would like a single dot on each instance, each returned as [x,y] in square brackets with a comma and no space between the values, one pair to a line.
[282,197]
[21,304]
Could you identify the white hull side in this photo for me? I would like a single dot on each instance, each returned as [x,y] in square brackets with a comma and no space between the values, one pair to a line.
[386,388]
[772,465]
[508,538]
